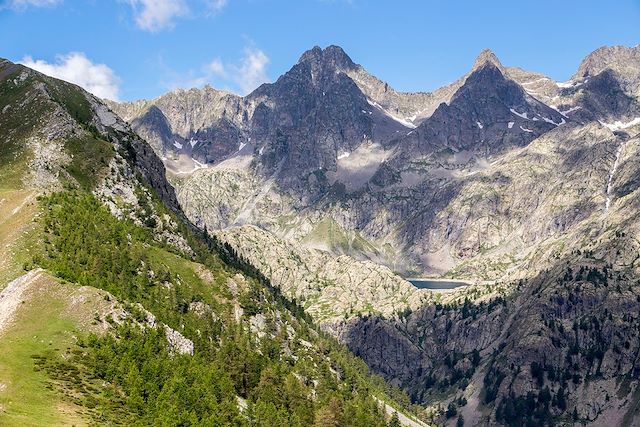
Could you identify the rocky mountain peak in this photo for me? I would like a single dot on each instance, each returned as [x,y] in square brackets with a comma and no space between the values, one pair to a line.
[487,73]
[621,59]
[489,113]
[332,56]
[487,57]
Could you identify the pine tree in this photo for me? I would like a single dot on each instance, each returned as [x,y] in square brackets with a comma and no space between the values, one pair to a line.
[394,421]
[329,415]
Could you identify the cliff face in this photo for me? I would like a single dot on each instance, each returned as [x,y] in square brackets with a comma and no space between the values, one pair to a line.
[565,341]
[561,343]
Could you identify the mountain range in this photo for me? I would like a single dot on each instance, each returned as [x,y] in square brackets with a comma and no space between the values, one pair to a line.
[394,174]
[329,189]
[524,186]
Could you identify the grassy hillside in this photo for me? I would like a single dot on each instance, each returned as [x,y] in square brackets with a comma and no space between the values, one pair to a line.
[250,342]
[46,324]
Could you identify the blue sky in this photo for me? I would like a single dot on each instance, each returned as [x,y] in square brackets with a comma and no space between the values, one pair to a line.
[131,49]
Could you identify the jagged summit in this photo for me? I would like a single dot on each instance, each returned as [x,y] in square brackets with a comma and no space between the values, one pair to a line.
[622,59]
[331,55]
[487,57]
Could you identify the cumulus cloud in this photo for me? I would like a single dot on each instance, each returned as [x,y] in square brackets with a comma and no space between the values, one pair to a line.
[252,71]
[241,77]
[156,15]
[22,4]
[215,68]
[76,68]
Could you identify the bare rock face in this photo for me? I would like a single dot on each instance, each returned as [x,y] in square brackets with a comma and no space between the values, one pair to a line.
[486,115]
[409,201]
[331,289]
[312,114]
[420,204]
[53,116]
[204,124]
[178,344]
[620,59]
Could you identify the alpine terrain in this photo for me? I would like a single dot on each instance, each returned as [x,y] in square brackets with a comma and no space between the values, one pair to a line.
[116,310]
[336,188]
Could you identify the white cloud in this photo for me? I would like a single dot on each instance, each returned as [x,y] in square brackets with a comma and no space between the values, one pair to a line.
[76,68]
[156,15]
[22,4]
[241,77]
[252,71]
[216,68]
[217,5]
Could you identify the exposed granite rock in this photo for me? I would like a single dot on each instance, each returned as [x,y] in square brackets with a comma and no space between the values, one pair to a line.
[620,59]
[329,288]
[178,344]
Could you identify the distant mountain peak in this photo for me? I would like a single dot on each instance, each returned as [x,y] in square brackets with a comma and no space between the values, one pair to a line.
[487,57]
[618,58]
[331,55]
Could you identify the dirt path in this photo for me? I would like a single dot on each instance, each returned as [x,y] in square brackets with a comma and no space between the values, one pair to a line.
[11,297]
[404,420]
[30,197]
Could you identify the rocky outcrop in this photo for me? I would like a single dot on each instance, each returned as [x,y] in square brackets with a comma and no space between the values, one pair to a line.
[55,115]
[620,59]
[331,289]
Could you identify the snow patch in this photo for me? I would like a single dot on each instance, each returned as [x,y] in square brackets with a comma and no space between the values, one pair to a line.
[526,130]
[510,124]
[177,145]
[388,114]
[343,155]
[479,125]
[618,125]
[570,83]
[569,111]
[415,115]
[180,167]
[548,120]
[523,115]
